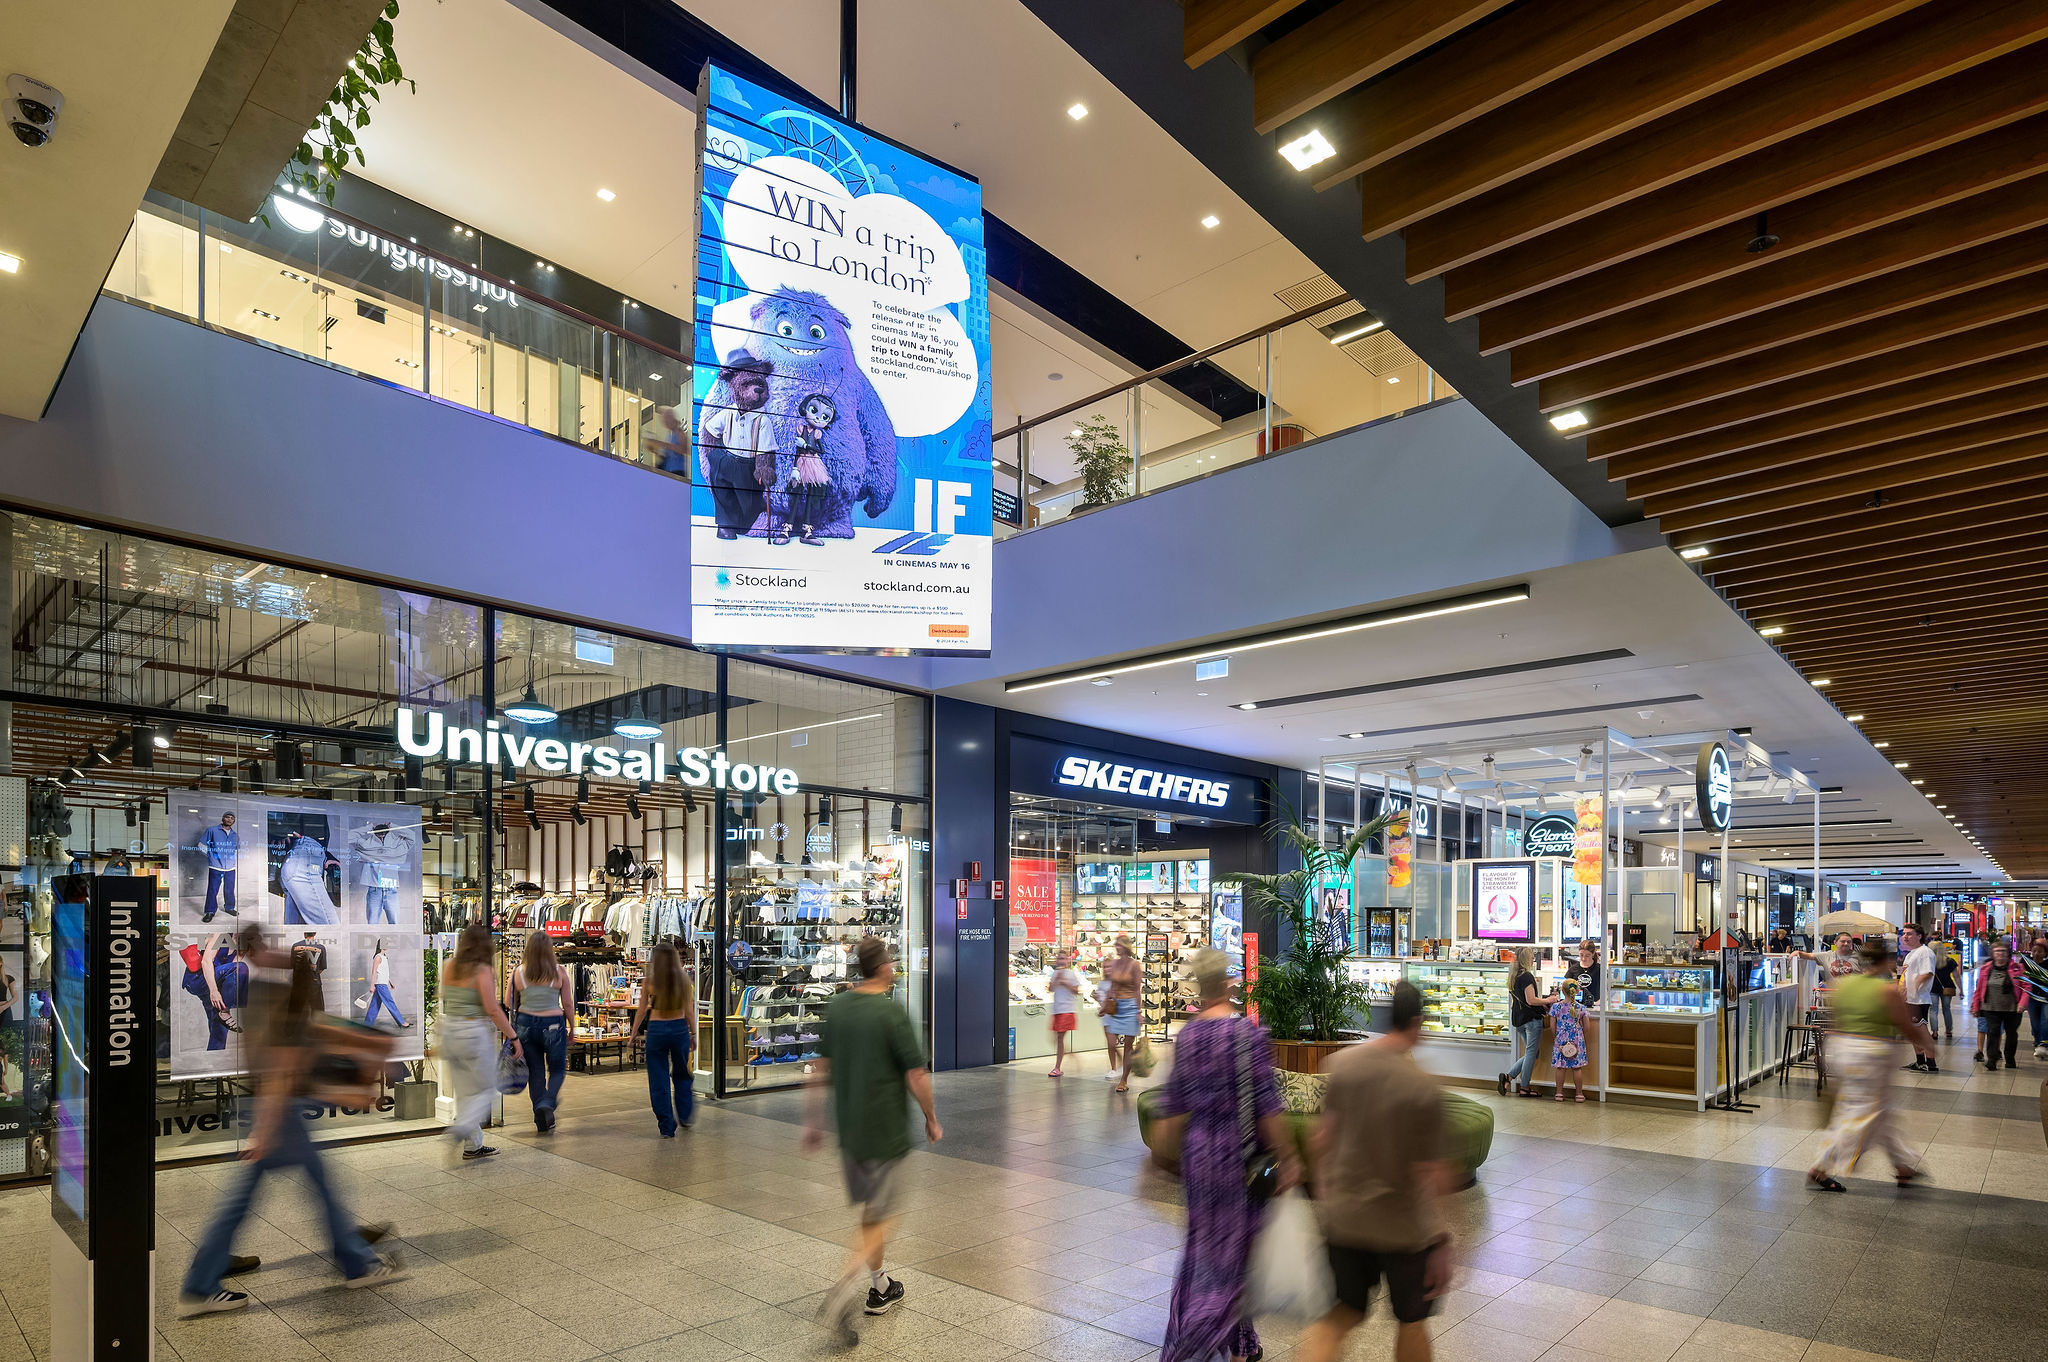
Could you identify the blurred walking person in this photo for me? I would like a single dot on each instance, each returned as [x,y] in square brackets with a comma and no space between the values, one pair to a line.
[541,996]
[1066,1017]
[471,1021]
[668,1011]
[1221,1084]
[872,1066]
[1870,1016]
[1120,1016]
[1381,1177]
[283,1058]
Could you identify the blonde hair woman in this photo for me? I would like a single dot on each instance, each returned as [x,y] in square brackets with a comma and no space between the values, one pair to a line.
[542,997]
[469,1015]
[668,1009]
[1525,1014]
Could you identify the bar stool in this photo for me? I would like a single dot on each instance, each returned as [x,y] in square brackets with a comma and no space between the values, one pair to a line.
[1805,1047]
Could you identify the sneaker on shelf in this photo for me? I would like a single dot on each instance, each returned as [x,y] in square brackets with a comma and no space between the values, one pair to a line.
[386,1272]
[215,1304]
[888,1298]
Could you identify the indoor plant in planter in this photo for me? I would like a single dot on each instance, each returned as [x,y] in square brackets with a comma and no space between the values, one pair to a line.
[1102,461]
[1304,996]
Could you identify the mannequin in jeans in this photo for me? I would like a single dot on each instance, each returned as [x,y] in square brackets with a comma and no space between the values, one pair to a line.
[1530,1006]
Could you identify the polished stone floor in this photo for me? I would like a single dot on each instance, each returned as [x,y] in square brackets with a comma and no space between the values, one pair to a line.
[1036,1230]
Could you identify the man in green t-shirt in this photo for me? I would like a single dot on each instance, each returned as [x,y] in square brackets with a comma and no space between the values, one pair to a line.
[873,1064]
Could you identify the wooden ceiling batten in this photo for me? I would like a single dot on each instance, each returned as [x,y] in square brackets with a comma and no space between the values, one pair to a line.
[1843,400]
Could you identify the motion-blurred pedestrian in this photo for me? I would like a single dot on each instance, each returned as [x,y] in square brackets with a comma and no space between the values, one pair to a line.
[471,1021]
[1870,1016]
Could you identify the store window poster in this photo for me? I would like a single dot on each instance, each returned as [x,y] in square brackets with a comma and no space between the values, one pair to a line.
[1194,877]
[1502,907]
[842,396]
[1152,877]
[14,995]
[1034,898]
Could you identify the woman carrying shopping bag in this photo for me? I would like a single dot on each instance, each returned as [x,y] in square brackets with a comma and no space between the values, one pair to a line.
[470,1016]
[1236,1152]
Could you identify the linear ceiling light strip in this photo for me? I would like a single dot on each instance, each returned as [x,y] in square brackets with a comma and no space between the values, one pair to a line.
[1306,634]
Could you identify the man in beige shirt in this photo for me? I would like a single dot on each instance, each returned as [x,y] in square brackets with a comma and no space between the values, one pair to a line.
[1380,1178]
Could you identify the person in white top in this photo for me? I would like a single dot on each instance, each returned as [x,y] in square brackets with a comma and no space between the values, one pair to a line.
[380,991]
[1918,981]
[1066,1000]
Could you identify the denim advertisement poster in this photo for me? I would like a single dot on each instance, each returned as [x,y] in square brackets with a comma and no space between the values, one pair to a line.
[324,882]
[842,388]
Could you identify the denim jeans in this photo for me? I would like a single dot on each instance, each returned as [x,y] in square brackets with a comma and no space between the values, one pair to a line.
[2037,1017]
[220,891]
[668,1073]
[380,996]
[546,1043]
[1943,1006]
[1528,1041]
[291,1147]
[469,1047]
[380,905]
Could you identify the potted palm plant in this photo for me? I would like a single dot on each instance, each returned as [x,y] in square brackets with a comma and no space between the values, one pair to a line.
[1305,996]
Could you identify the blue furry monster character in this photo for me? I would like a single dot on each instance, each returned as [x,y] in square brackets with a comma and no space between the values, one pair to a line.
[805,338]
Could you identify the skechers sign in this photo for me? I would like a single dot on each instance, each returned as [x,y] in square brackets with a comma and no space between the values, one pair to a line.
[491,746]
[1097,777]
[1714,783]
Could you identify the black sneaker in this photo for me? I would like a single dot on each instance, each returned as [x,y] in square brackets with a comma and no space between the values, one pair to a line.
[1930,1068]
[484,1153]
[215,1304]
[242,1262]
[882,1302]
[374,1231]
[1917,1066]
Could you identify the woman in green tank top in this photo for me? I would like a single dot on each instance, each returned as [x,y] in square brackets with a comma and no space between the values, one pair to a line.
[1870,1015]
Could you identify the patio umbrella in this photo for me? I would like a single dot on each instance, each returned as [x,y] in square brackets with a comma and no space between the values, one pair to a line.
[1856,924]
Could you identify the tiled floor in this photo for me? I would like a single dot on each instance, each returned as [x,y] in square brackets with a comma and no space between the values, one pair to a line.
[1038,1231]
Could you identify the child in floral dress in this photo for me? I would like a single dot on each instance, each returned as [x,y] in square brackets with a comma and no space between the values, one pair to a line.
[1568,1042]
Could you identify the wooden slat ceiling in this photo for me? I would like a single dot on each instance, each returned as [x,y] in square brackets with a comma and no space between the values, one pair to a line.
[1784,269]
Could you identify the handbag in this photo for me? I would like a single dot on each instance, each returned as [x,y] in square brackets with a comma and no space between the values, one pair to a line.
[1261,1165]
[511,1068]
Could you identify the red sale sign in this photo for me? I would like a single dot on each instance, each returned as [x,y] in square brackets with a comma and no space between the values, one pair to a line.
[1034,898]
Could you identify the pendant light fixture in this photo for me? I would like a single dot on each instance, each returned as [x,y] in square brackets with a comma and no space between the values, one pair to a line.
[636,726]
[529,708]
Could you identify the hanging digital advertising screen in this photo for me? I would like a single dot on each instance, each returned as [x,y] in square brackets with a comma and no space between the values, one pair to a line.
[1503,900]
[842,496]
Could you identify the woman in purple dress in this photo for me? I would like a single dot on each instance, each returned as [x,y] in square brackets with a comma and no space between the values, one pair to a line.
[1214,1052]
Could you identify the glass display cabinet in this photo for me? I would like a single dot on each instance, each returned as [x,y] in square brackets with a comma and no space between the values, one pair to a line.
[1378,975]
[1464,1000]
[1662,990]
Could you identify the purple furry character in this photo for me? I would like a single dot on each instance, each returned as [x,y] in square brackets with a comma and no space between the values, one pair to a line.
[805,338]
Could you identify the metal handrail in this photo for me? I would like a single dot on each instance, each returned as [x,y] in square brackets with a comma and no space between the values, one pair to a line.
[1153,374]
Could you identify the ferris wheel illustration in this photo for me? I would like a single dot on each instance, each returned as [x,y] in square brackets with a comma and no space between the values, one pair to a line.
[811,138]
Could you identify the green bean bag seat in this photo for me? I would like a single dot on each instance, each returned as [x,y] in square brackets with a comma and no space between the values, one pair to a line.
[1468,1133]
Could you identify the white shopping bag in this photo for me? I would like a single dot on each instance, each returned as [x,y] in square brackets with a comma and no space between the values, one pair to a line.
[1289,1275]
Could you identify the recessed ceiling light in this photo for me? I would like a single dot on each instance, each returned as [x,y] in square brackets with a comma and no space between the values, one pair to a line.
[294,274]
[478,307]
[1102,681]
[408,363]
[1212,221]
[1823,682]
[1695,551]
[1311,148]
[1248,704]
[1393,378]
[1854,718]
[1881,745]
[656,378]
[9,263]
[1345,338]
[1902,765]
[1353,736]
[1569,420]
[1772,630]
[1077,111]
[606,195]
[1919,782]
[271,315]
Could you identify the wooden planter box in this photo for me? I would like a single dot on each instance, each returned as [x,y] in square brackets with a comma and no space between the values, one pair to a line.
[1305,1056]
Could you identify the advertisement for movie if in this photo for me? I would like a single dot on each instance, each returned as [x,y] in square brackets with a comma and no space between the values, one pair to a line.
[841,459]
[336,885]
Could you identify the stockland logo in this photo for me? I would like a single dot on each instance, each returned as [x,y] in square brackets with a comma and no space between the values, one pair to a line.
[725,579]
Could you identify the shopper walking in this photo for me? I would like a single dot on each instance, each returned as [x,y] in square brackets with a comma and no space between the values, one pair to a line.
[283,1057]
[1381,1177]
[1221,1083]
[1917,982]
[1066,1002]
[2002,993]
[471,1022]
[1943,1005]
[380,990]
[1120,1017]
[1525,1014]
[871,1066]
[2037,999]
[541,996]
[668,1011]
[1870,1015]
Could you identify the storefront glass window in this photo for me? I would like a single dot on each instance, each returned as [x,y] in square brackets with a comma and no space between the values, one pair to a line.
[359,771]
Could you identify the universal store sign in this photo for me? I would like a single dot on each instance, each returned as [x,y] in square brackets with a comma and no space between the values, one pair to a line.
[697,767]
